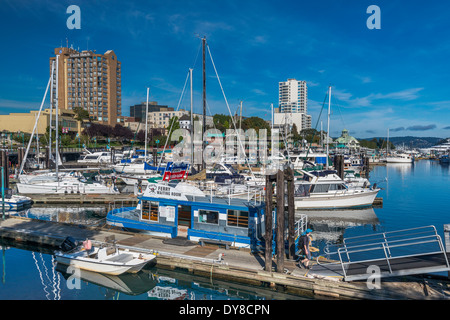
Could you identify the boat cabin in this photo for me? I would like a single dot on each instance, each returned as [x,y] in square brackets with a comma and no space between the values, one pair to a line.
[319,182]
[172,210]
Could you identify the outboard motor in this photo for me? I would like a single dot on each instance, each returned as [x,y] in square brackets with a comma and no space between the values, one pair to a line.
[68,244]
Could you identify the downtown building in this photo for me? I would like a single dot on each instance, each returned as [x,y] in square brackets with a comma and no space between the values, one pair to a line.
[91,81]
[292,106]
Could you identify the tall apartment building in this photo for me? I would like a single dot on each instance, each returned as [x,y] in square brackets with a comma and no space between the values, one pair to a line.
[293,96]
[293,105]
[89,80]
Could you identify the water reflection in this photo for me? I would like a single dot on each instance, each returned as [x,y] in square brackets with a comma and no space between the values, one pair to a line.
[330,225]
[85,215]
[46,279]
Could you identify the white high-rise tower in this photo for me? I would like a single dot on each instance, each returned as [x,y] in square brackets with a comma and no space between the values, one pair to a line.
[293,105]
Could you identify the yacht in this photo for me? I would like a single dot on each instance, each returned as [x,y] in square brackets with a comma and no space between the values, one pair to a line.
[326,190]
[100,157]
[399,158]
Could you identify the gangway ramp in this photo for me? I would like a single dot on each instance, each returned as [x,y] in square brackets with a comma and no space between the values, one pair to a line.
[389,254]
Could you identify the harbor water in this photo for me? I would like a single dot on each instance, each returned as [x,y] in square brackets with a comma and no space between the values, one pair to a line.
[414,195]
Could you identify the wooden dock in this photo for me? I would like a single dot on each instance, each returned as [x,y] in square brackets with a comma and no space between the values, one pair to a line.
[236,265]
[74,198]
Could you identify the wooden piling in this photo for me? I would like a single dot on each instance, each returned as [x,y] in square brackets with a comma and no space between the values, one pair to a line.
[289,172]
[268,224]
[280,221]
[4,158]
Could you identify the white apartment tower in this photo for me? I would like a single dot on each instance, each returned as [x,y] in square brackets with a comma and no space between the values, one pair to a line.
[293,96]
[293,105]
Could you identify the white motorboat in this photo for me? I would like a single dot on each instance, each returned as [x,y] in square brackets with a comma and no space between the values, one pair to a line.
[100,157]
[326,190]
[108,260]
[16,202]
[399,158]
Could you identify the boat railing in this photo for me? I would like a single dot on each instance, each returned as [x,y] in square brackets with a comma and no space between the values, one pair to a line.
[301,225]
[231,191]
[388,245]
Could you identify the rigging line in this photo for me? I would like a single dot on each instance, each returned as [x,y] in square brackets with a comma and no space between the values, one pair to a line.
[317,123]
[37,119]
[196,57]
[232,119]
[342,118]
[171,125]
[215,128]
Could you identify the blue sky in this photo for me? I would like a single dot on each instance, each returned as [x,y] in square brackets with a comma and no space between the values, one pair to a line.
[395,78]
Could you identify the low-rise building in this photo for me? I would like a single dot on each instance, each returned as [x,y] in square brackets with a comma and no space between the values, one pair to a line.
[24,122]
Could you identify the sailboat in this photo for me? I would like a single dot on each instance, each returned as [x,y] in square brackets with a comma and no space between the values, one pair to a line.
[50,183]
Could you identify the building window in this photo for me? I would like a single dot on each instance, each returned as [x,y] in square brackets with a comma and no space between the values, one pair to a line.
[207,216]
[150,211]
[236,218]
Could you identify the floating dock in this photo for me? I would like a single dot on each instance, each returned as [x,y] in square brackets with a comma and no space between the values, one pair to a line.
[218,263]
[76,198]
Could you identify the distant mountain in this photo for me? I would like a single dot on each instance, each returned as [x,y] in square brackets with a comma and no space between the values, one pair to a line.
[412,142]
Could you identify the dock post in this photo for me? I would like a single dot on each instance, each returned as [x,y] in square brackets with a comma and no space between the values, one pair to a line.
[5,166]
[268,224]
[291,212]
[280,221]
[447,241]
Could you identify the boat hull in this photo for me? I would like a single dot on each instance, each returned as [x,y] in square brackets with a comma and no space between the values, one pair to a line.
[25,188]
[110,266]
[352,200]
[94,267]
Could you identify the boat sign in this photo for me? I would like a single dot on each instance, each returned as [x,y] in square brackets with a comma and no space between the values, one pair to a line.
[162,191]
[175,171]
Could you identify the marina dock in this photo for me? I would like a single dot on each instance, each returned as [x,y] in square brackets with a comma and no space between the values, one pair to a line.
[76,198]
[219,263]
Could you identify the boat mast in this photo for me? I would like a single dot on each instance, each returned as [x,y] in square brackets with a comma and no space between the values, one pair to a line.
[50,156]
[36,122]
[328,125]
[56,118]
[192,119]
[271,132]
[146,124]
[204,101]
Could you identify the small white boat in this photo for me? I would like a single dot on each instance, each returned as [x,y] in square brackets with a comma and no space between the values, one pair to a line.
[108,260]
[16,202]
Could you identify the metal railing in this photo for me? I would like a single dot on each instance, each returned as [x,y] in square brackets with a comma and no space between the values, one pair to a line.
[419,241]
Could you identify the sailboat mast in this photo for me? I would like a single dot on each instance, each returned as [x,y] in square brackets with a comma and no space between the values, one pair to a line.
[328,125]
[56,117]
[146,124]
[51,116]
[35,124]
[204,100]
[192,119]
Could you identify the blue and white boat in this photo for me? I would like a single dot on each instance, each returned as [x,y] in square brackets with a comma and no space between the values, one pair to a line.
[178,209]
[14,202]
